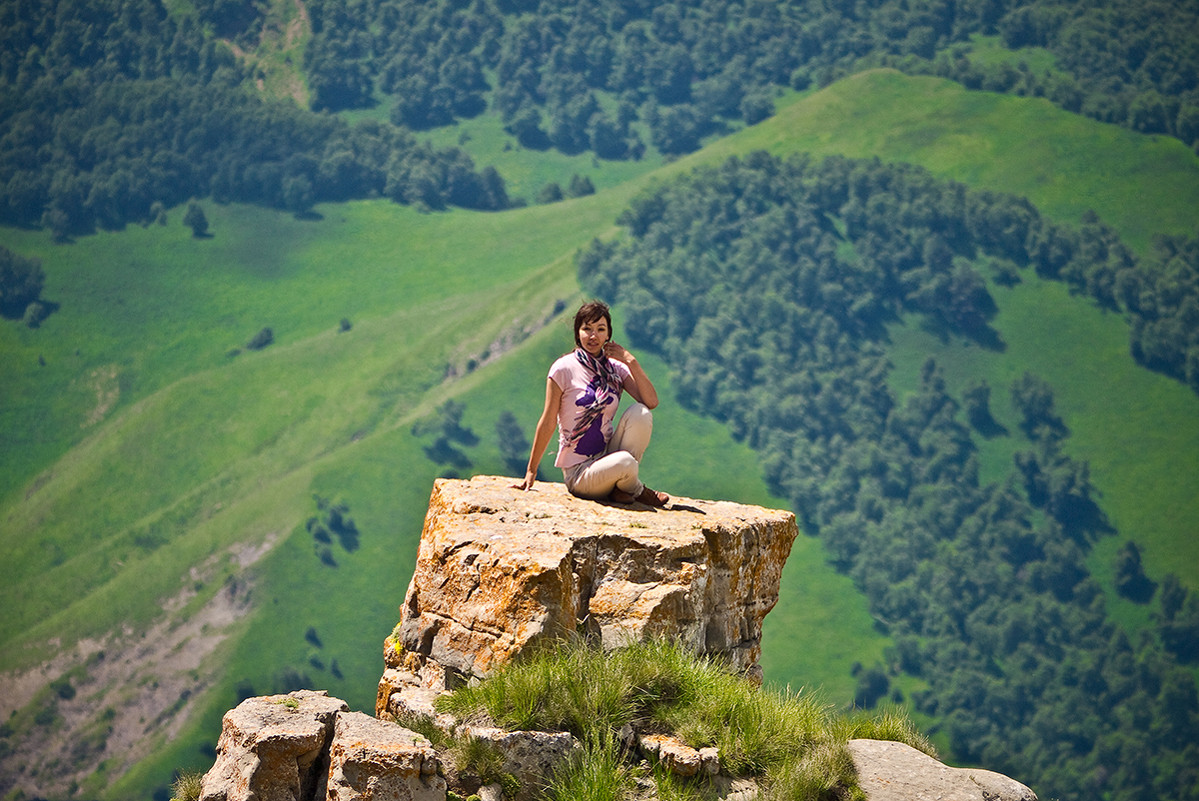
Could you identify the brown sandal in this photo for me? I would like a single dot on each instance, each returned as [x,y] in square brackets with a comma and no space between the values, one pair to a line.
[650,497]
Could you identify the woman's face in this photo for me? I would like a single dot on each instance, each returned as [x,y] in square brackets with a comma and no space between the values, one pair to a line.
[594,335]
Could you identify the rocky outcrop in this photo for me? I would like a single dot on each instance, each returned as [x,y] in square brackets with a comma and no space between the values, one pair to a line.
[273,748]
[890,771]
[372,760]
[307,746]
[500,569]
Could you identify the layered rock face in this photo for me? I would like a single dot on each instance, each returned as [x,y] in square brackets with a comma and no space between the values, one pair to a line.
[500,569]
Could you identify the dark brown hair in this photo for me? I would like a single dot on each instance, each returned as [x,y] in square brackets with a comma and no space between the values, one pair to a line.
[589,313]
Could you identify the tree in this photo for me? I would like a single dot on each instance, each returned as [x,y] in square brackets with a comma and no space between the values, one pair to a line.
[873,684]
[550,193]
[607,139]
[297,193]
[1180,634]
[21,282]
[260,340]
[756,106]
[677,130]
[580,185]
[976,400]
[196,220]
[1032,397]
[525,125]
[1131,581]
[1172,596]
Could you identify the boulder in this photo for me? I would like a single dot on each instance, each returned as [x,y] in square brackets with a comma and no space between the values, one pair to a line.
[530,757]
[889,771]
[373,760]
[678,757]
[273,748]
[500,569]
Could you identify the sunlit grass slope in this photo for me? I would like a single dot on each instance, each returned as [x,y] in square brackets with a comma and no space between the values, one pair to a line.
[1066,164]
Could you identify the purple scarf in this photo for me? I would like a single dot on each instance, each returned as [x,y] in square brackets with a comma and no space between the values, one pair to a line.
[606,386]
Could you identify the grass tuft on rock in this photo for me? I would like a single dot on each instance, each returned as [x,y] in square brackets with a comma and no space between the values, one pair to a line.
[791,742]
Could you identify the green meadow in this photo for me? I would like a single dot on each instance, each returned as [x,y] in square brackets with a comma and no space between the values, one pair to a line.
[145,448]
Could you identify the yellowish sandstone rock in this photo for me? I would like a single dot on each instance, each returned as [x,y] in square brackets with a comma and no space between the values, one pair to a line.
[500,569]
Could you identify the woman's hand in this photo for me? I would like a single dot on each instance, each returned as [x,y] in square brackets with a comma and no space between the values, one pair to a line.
[527,484]
[639,385]
[618,352]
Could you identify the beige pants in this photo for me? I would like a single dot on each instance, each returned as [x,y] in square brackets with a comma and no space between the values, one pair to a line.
[617,466]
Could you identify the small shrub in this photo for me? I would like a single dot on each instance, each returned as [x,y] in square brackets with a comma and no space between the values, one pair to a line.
[425,727]
[35,313]
[187,786]
[260,340]
[887,724]
[672,787]
[62,688]
[312,638]
[478,758]
[46,715]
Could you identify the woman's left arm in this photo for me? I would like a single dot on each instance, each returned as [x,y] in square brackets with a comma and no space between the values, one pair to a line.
[639,385]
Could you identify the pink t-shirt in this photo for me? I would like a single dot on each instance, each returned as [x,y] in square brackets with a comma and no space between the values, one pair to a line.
[578,391]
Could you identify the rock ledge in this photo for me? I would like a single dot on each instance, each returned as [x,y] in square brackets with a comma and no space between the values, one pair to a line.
[500,569]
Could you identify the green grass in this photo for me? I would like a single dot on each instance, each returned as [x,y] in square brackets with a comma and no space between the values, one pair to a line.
[790,739]
[596,772]
[990,50]
[186,787]
[526,171]
[1024,146]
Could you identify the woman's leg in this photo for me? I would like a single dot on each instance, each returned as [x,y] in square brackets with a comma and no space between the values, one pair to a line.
[633,431]
[617,472]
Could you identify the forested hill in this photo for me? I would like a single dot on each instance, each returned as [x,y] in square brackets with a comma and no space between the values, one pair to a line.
[769,285]
[112,110]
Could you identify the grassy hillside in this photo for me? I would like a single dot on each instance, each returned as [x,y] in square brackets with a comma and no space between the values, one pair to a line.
[1140,185]
[146,465]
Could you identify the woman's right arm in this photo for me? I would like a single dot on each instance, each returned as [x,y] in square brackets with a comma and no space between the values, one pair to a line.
[545,430]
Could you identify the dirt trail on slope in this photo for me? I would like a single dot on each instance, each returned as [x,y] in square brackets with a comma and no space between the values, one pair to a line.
[122,698]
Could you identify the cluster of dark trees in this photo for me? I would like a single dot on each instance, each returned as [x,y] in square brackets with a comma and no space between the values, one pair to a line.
[332,520]
[767,284]
[1135,62]
[109,108]
[1165,310]
[575,76]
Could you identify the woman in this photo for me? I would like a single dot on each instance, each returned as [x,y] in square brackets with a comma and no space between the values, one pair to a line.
[599,461]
